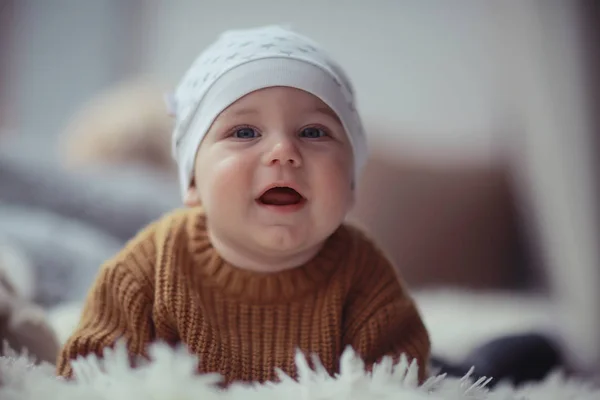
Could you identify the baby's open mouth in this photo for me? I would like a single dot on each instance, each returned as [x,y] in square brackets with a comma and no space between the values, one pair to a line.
[281,196]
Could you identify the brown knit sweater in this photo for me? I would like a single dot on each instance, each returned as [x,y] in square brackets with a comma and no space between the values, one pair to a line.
[170,284]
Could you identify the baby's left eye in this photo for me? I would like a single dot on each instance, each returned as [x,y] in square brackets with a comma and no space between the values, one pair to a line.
[313,133]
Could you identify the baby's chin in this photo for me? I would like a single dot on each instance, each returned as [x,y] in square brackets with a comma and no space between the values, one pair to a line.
[292,247]
[285,239]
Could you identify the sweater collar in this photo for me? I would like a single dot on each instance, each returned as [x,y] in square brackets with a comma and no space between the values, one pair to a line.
[260,287]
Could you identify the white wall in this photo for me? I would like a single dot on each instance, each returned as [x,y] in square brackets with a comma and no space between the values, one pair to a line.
[65,51]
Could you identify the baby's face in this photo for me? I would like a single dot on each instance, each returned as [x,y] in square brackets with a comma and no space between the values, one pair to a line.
[274,174]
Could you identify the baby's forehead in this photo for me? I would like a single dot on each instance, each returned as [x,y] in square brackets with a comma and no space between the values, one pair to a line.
[294,100]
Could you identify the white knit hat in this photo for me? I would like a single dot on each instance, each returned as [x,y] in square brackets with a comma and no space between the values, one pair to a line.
[243,61]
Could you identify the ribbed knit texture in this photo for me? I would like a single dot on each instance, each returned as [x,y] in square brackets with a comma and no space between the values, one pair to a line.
[169,284]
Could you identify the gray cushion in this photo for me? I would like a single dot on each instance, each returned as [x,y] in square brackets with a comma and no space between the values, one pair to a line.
[119,202]
[69,223]
[65,253]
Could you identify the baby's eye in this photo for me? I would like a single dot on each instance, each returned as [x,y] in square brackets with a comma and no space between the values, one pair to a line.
[245,133]
[313,133]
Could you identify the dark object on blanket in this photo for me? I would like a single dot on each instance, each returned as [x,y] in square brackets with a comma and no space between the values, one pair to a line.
[516,359]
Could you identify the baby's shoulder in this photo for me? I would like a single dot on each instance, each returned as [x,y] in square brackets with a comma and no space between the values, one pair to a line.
[144,253]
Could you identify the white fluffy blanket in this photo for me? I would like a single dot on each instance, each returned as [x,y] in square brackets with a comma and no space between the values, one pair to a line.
[170,376]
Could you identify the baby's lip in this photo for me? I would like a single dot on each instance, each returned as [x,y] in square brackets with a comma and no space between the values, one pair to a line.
[282,184]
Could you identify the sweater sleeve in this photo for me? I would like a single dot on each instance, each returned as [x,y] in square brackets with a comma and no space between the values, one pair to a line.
[381,319]
[118,306]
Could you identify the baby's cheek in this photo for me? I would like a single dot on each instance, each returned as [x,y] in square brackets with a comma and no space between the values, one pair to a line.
[336,186]
[230,177]
[342,172]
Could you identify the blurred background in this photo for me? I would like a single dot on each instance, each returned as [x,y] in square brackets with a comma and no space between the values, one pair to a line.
[481,184]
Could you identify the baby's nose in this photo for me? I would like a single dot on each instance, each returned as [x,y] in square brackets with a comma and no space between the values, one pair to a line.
[285,153]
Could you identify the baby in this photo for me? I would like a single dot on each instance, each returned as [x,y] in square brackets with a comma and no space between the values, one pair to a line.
[260,263]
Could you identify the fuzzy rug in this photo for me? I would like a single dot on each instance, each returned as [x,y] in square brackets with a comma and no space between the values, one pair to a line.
[170,376]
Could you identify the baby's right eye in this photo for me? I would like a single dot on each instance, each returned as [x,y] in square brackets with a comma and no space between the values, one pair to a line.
[245,133]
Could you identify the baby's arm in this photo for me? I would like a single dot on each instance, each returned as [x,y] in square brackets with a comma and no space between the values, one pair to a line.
[118,306]
[381,318]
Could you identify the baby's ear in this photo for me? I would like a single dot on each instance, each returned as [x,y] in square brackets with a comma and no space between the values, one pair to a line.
[192,198]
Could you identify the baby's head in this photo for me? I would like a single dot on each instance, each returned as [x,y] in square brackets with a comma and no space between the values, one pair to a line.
[268,141]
